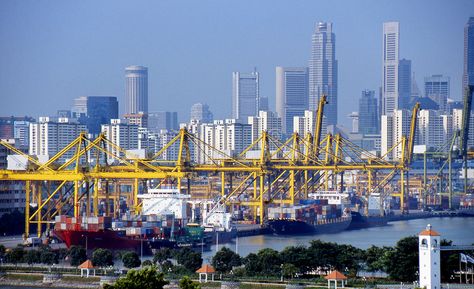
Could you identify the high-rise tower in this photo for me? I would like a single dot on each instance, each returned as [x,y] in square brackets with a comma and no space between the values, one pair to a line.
[391,36]
[368,113]
[437,88]
[291,94]
[136,89]
[245,95]
[468,75]
[323,70]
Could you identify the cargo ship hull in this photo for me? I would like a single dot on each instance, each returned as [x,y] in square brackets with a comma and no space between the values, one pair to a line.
[112,240]
[298,227]
[362,222]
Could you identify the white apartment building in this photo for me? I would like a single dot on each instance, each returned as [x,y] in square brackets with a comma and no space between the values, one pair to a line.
[393,127]
[48,136]
[227,136]
[457,125]
[172,152]
[121,134]
[434,129]
[305,124]
[265,121]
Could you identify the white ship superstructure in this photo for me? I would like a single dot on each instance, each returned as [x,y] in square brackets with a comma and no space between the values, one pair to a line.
[165,202]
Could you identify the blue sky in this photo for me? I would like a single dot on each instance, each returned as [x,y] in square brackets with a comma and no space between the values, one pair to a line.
[53,51]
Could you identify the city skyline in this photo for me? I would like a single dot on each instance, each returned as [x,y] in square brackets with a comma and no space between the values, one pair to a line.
[96,67]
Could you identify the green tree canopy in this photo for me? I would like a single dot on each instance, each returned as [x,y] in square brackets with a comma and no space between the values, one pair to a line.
[162,255]
[131,260]
[48,256]
[224,260]
[15,255]
[377,258]
[269,261]
[187,283]
[102,258]
[77,255]
[298,256]
[252,264]
[403,260]
[289,270]
[32,257]
[146,278]
[189,259]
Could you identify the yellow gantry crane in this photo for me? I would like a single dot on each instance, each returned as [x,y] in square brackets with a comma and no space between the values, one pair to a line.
[79,176]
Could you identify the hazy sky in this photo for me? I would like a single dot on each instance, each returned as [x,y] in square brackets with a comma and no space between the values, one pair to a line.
[53,51]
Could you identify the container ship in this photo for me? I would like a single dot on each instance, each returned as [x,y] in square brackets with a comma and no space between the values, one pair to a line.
[102,232]
[314,216]
[163,222]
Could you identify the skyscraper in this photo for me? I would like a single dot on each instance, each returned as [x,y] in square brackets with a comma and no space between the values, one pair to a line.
[404,83]
[136,89]
[323,70]
[162,120]
[368,113]
[468,76]
[437,88]
[291,94]
[201,113]
[95,111]
[391,35]
[245,95]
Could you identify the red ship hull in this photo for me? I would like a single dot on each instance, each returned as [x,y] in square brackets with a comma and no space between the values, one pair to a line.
[107,239]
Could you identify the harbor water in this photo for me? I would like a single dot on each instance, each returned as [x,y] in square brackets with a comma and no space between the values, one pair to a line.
[460,230]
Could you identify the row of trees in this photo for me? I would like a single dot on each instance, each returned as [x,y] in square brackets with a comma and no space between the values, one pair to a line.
[188,260]
[76,255]
[400,261]
[293,260]
[149,278]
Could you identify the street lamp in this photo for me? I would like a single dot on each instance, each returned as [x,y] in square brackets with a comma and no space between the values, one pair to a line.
[281,272]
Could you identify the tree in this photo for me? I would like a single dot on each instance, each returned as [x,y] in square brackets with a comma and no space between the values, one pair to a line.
[131,260]
[224,260]
[102,258]
[162,255]
[77,255]
[2,251]
[403,260]
[15,256]
[146,278]
[298,256]
[252,264]
[32,257]
[147,263]
[322,255]
[269,261]
[189,259]
[349,258]
[48,256]
[376,258]
[187,283]
[289,270]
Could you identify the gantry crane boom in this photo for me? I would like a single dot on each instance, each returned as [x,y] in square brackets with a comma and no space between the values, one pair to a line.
[318,125]
[466,116]
[411,137]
